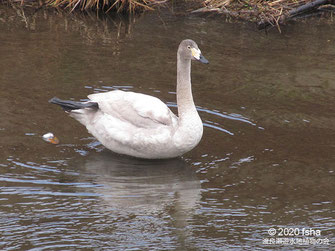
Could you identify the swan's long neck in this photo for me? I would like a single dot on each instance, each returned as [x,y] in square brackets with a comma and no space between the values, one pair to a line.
[184,89]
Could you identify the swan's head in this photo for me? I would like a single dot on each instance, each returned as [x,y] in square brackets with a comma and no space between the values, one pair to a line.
[189,50]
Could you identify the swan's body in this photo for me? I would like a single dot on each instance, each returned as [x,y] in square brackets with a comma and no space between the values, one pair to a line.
[141,125]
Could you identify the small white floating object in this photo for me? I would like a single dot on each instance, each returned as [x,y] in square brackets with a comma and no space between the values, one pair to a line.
[51,138]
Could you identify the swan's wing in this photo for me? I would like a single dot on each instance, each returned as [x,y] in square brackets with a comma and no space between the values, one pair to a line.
[138,109]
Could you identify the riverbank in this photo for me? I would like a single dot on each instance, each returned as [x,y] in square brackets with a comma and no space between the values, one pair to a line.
[263,12]
[269,12]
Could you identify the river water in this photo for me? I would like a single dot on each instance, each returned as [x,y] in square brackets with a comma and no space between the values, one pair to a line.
[266,159]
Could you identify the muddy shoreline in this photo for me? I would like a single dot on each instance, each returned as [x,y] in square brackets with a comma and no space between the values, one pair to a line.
[263,13]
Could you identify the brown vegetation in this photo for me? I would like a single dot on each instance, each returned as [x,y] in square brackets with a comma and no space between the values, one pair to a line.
[118,5]
[128,6]
[263,12]
[267,12]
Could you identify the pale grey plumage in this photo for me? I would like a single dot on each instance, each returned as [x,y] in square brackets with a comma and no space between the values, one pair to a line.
[141,125]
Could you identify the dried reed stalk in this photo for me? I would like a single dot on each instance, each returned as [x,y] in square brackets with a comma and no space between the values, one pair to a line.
[263,11]
[119,5]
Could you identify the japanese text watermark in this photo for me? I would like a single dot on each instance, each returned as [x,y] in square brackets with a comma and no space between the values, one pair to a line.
[294,236]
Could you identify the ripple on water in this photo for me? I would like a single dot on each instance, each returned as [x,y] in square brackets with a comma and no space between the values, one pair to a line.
[207,123]
[240,180]
[108,197]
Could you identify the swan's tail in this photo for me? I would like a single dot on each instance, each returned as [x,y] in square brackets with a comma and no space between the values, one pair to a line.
[69,105]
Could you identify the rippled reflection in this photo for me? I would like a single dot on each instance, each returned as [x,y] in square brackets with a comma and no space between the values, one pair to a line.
[266,157]
[103,196]
[143,186]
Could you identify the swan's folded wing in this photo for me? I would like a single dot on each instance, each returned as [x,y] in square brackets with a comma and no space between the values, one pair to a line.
[138,109]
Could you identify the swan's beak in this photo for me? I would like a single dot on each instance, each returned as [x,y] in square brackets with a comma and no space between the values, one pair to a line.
[196,53]
[203,60]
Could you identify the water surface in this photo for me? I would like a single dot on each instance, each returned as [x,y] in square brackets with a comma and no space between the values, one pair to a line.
[266,158]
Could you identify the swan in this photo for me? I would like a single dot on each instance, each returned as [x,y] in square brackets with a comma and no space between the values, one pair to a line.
[140,125]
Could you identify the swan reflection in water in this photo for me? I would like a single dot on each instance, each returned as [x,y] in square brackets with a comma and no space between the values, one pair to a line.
[139,186]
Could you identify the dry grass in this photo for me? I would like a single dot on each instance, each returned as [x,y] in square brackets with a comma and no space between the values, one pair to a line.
[107,5]
[273,11]
[262,11]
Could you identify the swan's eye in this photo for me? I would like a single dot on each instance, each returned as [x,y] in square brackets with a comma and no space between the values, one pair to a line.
[189,47]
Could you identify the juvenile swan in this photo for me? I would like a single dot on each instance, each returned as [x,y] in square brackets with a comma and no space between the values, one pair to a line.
[140,125]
